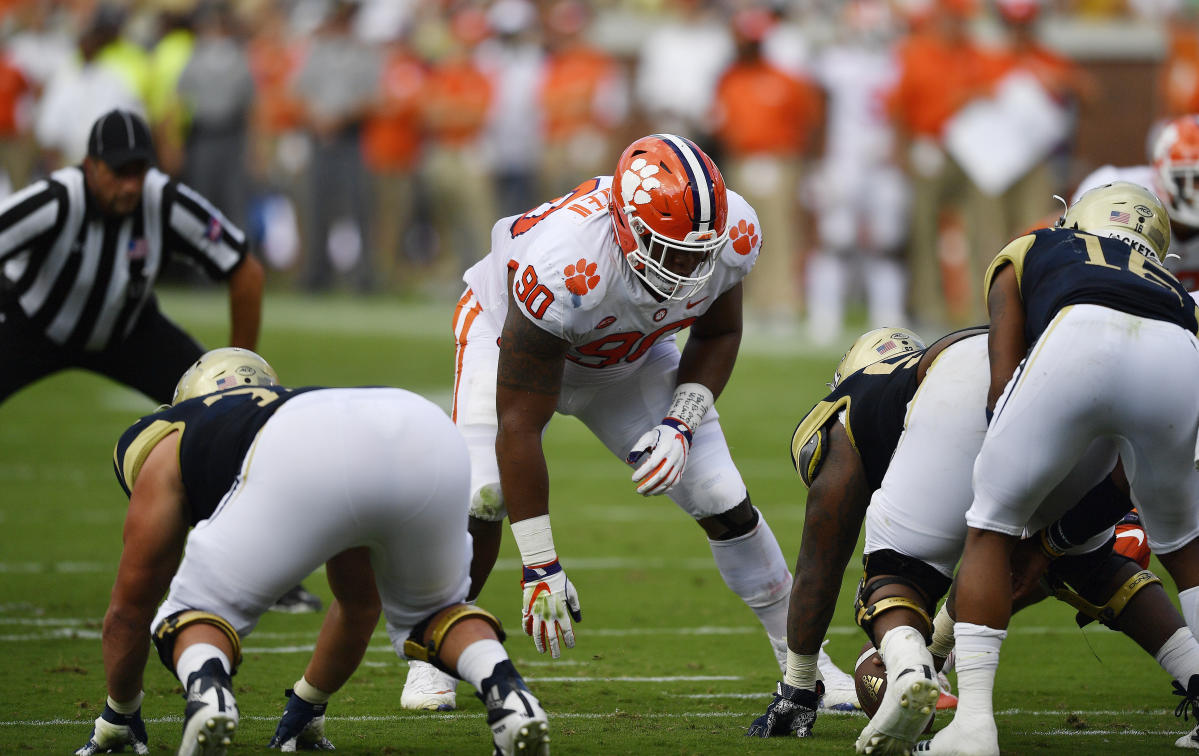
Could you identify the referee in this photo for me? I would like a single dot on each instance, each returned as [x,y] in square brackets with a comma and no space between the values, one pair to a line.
[80,252]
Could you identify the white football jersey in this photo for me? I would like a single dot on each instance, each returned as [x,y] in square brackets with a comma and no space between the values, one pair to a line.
[1186,267]
[571,279]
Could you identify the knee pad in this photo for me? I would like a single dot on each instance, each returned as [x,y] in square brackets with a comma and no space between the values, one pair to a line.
[732,523]
[1108,612]
[167,632]
[416,648]
[488,503]
[886,567]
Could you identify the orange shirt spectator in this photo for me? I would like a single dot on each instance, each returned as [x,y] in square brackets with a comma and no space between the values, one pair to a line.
[14,86]
[762,109]
[392,135]
[1180,72]
[457,101]
[572,90]
[937,77]
[274,62]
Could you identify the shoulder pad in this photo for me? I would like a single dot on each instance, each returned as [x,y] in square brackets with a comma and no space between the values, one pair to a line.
[810,440]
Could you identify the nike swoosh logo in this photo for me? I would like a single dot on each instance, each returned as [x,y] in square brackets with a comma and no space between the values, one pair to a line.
[693,304]
[1137,534]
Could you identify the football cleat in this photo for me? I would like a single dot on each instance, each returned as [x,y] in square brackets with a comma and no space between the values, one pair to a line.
[298,600]
[210,717]
[840,693]
[518,723]
[979,738]
[907,707]
[1190,740]
[428,688]
[947,700]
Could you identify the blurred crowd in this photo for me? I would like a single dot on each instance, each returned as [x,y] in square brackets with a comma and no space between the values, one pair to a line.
[890,147]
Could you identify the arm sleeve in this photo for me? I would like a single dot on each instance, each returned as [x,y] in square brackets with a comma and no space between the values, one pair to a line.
[197,230]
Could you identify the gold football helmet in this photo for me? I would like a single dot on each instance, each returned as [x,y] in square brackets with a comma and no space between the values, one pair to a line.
[225,368]
[873,346]
[1126,211]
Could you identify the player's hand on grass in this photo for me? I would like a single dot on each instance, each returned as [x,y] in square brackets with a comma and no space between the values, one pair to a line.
[660,455]
[114,732]
[793,710]
[550,603]
[302,726]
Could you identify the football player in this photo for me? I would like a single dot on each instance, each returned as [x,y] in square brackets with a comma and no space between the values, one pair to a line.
[576,310]
[273,482]
[1171,174]
[1078,312]
[899,432]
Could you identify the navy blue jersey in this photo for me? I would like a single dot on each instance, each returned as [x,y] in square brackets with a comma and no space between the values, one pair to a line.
[1058,267]
[215,433]
[875,400]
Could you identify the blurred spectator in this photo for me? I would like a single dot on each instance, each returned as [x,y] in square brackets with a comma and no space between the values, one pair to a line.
[338,83]
[392,146]
[859,196]
[1179,82]
[512,58]
[456,173]
[765,121]
[1029,200]
[583,100]
[280,151]
[167,115]
[217,89]
[80,93]
[16,147]
[682,54]
[941,69]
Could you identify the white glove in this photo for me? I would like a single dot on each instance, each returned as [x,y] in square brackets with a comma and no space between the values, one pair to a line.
[662,454]
[550,601]
[113,732]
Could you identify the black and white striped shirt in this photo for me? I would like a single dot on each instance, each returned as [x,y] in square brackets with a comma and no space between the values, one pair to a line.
[82,278]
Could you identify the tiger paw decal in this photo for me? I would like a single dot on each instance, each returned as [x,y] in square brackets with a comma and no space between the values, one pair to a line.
[637,182]
[744,237]
[581,277]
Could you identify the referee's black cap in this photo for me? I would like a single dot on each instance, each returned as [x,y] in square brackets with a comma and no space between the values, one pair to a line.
[120,137]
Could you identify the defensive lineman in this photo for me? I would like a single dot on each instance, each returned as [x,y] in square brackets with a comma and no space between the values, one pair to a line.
[575,310]
[274,482]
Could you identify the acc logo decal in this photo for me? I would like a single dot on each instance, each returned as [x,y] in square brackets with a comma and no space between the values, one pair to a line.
[606,322]
[1143,211]
[637,182]
[744,237]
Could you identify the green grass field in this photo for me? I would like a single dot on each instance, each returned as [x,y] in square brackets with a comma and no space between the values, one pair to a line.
[668,660]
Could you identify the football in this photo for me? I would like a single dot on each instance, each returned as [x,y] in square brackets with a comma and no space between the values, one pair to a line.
[870,679]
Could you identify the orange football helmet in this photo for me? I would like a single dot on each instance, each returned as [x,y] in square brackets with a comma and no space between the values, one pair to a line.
[669,211]
[1176,168]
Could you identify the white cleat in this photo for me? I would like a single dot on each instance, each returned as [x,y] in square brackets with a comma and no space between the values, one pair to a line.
[1190,740]
[428,688]
[211,715]
[978,738]
[519,726]
[907,708]
[840,692]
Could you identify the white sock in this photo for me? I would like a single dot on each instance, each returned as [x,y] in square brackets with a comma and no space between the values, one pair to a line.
[977,653]
[477,661]
[903,648]
[753,567]
[827,279]
[885,286]
[1179,655]
[1189,600]
[801,670]
[194,657]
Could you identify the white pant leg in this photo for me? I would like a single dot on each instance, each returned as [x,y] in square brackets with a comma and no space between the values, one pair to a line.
[330,471]
[1095,373]
[476,363]
[619,412]
[919,509]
